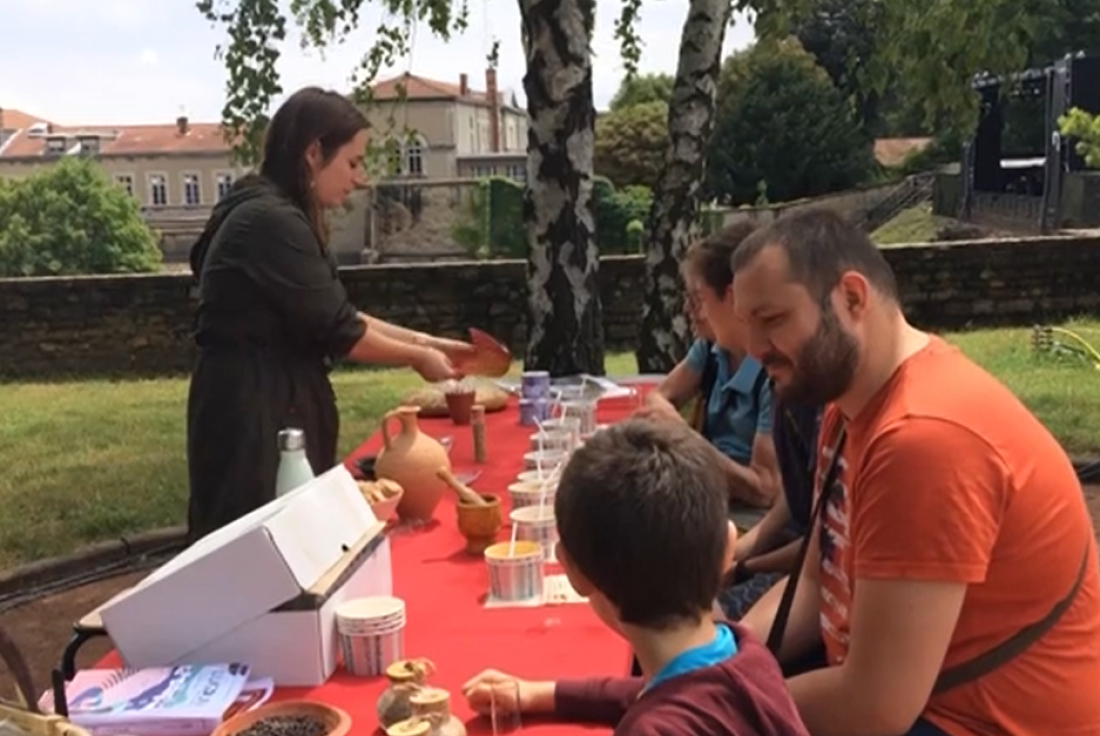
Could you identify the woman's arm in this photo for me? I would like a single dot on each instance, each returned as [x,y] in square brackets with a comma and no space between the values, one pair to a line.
[678,387]
[395,332]
[376,346]
[757,483]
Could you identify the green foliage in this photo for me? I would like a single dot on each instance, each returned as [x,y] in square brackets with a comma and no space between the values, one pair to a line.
[711,220]
[1086,129]
[492,225]
[641,89]
[935,49]
[615,210]
[781,122]
[256,28]
[635,231]
[840,34]
[943,149]
[1061,27]
[69,219]
[631,144]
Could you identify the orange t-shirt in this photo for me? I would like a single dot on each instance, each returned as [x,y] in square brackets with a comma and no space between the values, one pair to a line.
[946,476]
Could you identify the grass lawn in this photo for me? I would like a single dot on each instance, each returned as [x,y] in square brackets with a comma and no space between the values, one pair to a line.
[914,225]
[93,460]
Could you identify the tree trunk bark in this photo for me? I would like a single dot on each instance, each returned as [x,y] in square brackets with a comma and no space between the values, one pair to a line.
[565,332]
[673,218]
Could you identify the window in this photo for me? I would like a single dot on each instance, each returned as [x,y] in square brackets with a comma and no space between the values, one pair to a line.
[158,190]
[518,172]
[483,136]
[55,144]
[394,164]
[481,171]
[473,136]
[89,145]
[414,158]
[126,181]
[192,189]
[224,181]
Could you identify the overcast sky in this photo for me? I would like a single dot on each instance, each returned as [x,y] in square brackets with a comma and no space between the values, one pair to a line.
[138,61]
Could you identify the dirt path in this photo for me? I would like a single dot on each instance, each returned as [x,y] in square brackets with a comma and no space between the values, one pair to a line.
[41,629]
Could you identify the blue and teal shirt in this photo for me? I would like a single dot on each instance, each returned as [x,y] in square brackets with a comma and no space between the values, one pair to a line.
[740,404]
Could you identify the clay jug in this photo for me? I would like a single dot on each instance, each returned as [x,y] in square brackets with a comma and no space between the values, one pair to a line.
[412,459]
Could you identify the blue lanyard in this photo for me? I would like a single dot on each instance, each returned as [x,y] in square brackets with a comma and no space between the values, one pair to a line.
[721,648]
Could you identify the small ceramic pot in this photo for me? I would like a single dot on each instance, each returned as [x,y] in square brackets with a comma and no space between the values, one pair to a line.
[479,524]
[460,405]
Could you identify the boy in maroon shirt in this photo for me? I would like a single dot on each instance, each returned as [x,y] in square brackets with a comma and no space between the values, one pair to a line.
[642,518]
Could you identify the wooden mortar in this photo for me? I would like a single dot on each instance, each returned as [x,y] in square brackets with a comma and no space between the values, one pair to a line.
[465,494]
[479,523]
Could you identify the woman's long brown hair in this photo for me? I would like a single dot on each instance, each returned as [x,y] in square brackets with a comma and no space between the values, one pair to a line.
[310,115]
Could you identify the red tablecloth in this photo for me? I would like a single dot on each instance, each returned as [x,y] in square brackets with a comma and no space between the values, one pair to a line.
[443,587]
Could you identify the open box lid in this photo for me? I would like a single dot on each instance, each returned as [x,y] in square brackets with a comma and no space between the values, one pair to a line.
[240,571]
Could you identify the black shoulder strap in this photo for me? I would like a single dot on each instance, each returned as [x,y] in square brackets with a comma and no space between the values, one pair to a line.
[952,677]
[1007,650]
[779,626]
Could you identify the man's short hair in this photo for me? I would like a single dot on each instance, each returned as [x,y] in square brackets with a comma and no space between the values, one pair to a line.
[642,513]
[821,245]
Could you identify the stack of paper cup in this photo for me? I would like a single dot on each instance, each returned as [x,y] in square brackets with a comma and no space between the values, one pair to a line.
[371,632]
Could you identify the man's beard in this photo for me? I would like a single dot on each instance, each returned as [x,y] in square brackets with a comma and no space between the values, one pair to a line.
[824,367]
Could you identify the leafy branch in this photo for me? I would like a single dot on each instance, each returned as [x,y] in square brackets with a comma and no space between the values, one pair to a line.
[1086,129]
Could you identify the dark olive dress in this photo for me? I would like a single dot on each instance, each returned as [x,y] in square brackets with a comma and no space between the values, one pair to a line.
[271,317]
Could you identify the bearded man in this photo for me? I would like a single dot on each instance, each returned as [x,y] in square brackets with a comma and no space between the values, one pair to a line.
[951,569]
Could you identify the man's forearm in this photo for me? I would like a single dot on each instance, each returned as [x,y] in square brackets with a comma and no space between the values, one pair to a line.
[776,560]
[745,484]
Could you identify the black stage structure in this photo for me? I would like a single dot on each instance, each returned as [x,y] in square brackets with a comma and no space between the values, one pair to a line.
[1027,188]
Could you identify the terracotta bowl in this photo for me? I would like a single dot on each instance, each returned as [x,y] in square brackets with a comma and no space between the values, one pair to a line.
[337,722]
[386,510]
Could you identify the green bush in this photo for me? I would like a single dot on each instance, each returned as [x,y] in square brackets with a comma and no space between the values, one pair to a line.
[615,210]
[635,232]
[492,224]
[69,219]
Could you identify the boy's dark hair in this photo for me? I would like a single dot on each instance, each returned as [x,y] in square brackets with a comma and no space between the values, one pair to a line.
[820,246]
[710,257]
[642,513]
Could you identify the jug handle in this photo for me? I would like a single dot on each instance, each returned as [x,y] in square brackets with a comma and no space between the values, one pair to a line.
[386,440]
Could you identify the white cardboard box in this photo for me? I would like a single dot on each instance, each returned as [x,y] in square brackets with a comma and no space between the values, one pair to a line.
[216,600]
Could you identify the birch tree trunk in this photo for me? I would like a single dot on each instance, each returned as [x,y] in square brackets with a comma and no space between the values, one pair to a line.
[673,218]
[565,332]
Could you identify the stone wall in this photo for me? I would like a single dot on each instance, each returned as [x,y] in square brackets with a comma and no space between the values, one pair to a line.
[140,324]
[848,203]
[414,221]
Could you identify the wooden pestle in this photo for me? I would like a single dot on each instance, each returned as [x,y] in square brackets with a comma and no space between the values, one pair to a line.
[465,493]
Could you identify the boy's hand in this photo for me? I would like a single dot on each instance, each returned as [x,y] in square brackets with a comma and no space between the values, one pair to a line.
[509,693]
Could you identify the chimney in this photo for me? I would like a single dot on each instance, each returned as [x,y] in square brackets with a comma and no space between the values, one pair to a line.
[181,125]
[463,85]
[1,120]
[494,109]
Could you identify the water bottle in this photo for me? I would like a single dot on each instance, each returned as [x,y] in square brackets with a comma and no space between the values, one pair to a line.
[294,467]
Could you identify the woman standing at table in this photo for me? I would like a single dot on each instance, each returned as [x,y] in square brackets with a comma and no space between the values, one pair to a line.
[272,314]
